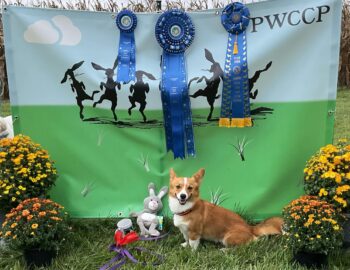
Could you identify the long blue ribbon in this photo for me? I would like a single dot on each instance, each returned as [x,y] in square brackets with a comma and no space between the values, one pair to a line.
[176,106]
[175,32]
[235,104]
[126,21]
[126,58]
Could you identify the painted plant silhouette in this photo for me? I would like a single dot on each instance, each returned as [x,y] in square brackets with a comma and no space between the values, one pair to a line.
[138,91]
[78,87]
[109,86]
[212,86]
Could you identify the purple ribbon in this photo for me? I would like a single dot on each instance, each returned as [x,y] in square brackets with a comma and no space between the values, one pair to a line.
[123,254]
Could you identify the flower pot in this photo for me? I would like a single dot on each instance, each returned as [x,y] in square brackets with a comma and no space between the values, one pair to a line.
[311,260]
[38,258]
[346,230]
[2,216]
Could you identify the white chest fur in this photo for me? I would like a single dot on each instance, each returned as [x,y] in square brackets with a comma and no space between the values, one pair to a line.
[179,221]
[176,207]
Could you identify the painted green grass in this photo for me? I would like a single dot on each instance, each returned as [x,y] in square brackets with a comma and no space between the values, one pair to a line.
[342,115]
[86,247]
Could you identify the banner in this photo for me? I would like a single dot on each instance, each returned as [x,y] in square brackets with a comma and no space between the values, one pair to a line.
[107,137]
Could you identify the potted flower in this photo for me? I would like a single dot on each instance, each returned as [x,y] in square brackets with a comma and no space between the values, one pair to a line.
[26,171]
[312,230]
[38,227]
[327,175]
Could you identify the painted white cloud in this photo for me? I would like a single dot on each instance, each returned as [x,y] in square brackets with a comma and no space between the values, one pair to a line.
[71,34]
[44,32]
[41,32]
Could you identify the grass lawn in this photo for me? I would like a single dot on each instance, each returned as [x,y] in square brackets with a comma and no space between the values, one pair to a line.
[86,247]
[342,115]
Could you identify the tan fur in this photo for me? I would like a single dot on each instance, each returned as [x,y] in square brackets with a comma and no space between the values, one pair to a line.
[212,222]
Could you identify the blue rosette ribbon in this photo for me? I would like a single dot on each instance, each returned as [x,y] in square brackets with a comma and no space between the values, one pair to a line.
[235,104]
[174,32]
[126,22]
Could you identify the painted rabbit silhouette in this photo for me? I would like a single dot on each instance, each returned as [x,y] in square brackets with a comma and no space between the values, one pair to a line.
[210,92]
[140,89]
[78,87]
[109,86]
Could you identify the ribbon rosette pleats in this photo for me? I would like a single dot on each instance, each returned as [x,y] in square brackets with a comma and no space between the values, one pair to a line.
[235,104]
[175,32]
[126,21]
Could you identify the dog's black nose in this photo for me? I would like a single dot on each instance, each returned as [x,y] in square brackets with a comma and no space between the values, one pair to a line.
[182,196]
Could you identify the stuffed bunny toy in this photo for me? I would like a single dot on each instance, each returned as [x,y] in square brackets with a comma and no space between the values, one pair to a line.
[6,129]
[147,219]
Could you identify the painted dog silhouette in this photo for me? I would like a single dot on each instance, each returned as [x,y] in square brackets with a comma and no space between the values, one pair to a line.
[110,91]
[78,87]
[138,91]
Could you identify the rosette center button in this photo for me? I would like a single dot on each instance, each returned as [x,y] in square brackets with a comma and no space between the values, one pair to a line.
[126,21]
[175,31]
[236,17]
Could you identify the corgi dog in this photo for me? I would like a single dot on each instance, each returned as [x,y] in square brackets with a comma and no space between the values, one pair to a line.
[198,219]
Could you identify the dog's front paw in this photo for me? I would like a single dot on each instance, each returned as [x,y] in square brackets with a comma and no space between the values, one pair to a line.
[194,244]
[184,244]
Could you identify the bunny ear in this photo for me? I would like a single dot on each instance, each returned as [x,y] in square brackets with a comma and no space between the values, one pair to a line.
[97,67]
[115,64]
[162,192]
[151,189]
[64,78]
[209,56]
[77,65]
[150,76]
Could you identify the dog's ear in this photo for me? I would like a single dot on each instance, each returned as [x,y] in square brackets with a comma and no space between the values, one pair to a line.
[198,176]
[172,173]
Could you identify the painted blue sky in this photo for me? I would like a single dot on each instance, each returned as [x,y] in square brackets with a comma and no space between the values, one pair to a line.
[41,44]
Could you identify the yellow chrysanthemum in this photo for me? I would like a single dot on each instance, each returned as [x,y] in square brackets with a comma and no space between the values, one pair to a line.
[342,189]
[340,200]
[323,192]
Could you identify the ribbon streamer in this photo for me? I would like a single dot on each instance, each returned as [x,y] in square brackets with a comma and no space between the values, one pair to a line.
[175,32]
[126,21]
[124,254]
[235,104]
